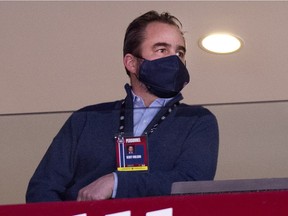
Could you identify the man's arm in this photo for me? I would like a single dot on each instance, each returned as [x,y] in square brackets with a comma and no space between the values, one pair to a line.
[55,170]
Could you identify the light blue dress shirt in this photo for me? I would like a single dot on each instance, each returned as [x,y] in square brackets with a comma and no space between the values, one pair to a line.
[142,116]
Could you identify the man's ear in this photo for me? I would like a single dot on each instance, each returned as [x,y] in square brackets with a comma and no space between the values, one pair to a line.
[130,63]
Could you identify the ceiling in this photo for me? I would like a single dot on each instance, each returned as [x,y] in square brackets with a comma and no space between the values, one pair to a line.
[63,55]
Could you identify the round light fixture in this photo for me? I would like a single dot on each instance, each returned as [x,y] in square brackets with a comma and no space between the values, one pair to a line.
[221,43]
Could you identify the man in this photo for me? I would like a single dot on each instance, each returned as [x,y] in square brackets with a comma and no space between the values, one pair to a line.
[178,142]
[130,149]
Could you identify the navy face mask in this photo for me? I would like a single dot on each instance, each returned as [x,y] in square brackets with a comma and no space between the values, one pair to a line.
[164,77]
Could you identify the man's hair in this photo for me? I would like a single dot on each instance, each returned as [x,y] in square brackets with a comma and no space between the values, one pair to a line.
[135,31]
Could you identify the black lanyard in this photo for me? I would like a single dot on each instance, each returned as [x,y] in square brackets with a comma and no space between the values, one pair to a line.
[164,116]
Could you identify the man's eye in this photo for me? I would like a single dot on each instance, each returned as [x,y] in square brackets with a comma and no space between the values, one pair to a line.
[161,50]
[180,54]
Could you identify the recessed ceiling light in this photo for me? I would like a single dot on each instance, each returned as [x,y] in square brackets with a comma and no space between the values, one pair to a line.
[221,43]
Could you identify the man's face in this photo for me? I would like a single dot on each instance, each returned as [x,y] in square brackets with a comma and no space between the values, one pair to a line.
[130,149]
[162,40]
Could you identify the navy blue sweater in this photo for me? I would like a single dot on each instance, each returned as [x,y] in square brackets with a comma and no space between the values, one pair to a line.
[184,147]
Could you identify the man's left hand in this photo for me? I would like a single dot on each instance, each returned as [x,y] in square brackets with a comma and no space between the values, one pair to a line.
[100,189]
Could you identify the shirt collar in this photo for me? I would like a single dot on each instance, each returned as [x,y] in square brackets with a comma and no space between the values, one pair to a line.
[139,103]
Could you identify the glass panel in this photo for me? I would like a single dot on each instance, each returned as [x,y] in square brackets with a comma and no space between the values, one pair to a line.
[253,144]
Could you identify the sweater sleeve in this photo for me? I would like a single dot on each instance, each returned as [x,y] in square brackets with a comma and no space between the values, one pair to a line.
[55,171]
[197,161]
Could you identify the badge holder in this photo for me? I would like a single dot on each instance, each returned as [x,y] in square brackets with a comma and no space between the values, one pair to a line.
[131,153]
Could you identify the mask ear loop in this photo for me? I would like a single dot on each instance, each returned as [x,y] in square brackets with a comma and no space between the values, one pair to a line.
[139,57]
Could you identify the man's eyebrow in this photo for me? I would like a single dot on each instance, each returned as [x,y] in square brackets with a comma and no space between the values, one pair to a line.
[161,44]
[164,44]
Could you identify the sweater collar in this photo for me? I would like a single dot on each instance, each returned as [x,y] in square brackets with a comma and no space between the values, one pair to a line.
[129,98]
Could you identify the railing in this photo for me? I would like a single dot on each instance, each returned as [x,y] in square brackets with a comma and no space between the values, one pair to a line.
[268,203]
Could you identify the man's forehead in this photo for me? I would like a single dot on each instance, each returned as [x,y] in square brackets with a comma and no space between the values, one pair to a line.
[157,27]
[163,33]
